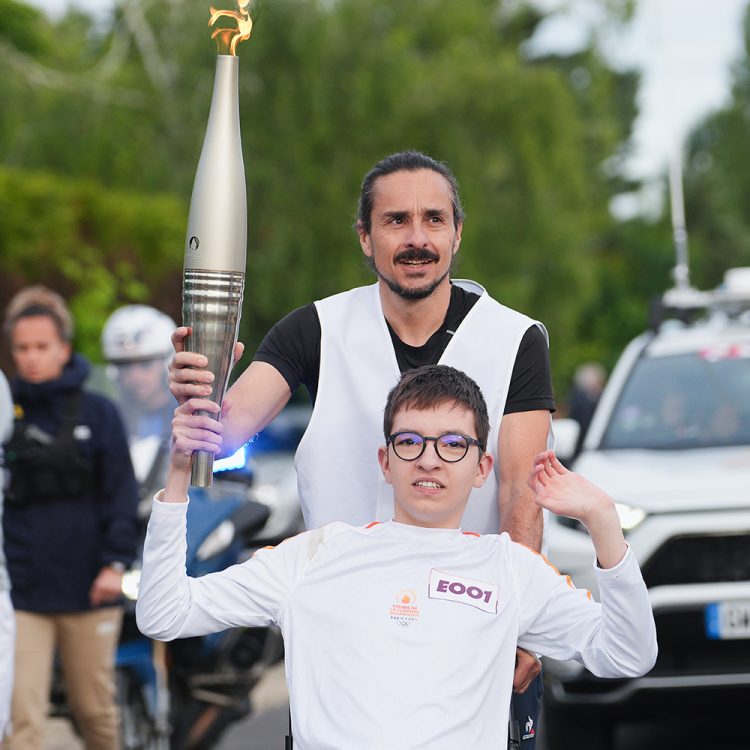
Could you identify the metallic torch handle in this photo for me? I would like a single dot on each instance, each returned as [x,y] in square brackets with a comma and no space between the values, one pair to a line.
[211,305]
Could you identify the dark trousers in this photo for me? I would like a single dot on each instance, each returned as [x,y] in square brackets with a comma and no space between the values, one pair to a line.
[526,709]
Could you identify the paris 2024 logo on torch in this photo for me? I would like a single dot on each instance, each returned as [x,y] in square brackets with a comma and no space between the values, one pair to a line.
[191,254]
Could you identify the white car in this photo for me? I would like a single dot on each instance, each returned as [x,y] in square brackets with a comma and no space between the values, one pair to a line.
[670,441]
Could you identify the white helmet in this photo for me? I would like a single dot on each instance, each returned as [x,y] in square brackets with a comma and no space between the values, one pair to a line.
[137,332]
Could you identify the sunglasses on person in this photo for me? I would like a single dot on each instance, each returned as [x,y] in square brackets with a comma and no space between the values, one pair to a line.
[450,446]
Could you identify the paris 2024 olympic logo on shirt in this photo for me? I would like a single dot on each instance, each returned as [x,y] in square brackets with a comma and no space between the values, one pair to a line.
[404,611]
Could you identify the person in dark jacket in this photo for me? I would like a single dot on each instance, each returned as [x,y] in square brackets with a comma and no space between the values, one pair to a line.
[588,383]
[70,525]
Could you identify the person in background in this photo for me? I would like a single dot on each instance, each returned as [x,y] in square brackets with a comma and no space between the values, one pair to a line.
[588,383]
[69,523]
[350,349]
[7,618]
[136,342]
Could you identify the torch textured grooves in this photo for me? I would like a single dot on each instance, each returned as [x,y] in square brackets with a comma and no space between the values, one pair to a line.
[211,305]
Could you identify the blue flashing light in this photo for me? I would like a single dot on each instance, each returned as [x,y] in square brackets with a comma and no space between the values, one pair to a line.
[235,461]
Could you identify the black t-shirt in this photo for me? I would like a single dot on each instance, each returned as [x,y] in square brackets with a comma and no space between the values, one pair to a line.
[292,346]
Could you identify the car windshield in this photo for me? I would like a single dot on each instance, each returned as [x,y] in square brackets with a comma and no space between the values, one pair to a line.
[695,400]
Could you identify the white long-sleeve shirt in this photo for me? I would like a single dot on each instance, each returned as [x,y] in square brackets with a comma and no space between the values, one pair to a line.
[399,636]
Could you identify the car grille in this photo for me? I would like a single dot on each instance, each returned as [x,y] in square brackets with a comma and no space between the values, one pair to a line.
[684,647]
[700,559]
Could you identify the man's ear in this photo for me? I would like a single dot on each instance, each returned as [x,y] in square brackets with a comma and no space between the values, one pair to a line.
[457,240]
[484,467]
[384,462]
[364,240]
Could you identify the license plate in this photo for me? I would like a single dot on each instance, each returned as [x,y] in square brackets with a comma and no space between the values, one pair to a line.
[726,620]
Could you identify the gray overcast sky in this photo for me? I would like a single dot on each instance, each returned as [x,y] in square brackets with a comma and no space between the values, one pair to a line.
[684,48]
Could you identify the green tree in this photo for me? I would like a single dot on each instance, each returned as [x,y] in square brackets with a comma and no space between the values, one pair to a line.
[717,182]
[96,246]
[327,89]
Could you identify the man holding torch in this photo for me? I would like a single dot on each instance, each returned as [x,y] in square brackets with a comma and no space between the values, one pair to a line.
[350,349]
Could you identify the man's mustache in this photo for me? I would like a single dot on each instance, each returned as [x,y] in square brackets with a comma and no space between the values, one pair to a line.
[416,254]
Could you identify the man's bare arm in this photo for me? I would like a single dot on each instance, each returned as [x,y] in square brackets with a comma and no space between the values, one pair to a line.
[259,394]
[523,435]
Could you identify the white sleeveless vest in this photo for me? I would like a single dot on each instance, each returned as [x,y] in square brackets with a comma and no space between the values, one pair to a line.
[338,475]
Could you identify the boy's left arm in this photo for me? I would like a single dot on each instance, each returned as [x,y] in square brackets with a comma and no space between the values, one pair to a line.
[616,638]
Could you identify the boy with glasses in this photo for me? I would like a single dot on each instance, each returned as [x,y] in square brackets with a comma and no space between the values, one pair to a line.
[403,634]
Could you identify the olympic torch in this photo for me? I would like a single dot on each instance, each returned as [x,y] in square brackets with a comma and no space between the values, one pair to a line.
[216,244]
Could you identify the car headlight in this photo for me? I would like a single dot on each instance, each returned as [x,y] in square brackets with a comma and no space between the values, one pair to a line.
[217,541]
[131,581]
[630,516]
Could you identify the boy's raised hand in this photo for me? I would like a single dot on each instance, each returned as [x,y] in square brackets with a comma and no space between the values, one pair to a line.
[194,432]
[190,432]
[569,494]
[565,492]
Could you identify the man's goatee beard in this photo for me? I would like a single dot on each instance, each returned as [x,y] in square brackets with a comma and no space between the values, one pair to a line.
[421,292]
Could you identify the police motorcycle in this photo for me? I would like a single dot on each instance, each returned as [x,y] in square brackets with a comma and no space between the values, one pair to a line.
[182,695]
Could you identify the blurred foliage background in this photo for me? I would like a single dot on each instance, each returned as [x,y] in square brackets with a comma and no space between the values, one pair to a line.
[102,120]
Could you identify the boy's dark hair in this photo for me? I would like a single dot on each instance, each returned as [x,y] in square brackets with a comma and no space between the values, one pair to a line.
[404,161]
[432,385]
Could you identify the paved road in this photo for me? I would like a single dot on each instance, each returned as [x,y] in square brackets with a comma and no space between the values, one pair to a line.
[267,727]
[264,730]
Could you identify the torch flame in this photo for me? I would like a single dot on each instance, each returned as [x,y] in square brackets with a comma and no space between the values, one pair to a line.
[230,38]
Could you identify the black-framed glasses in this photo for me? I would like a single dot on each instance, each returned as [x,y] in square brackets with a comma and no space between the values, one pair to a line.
[450,446]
